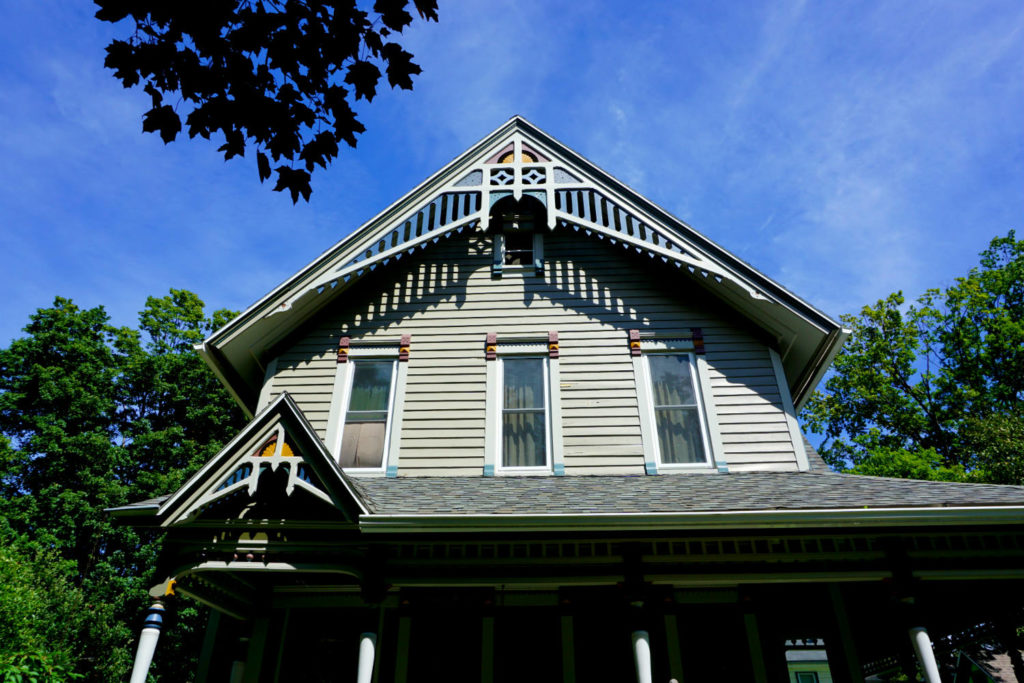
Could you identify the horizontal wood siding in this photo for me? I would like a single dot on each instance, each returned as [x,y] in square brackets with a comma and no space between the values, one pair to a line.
[591,294]
[755,434]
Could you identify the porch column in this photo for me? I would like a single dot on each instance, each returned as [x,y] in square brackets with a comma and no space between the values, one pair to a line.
[147,641]
[840,645]
[756,650]
[238,664]
[925,654]
[642,656]
[367,651]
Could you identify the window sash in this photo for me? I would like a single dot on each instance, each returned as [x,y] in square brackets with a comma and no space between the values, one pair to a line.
[676,416]
[518,248]
[365,432]
[525,427]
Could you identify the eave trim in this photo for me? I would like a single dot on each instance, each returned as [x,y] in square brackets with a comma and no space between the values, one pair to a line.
[847,518]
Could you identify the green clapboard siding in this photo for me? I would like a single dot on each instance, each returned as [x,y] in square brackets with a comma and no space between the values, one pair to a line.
[592,293]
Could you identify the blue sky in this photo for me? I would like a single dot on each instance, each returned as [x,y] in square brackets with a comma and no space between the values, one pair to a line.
[846,149]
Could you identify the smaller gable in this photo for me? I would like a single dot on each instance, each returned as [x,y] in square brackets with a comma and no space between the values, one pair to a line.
[275,469]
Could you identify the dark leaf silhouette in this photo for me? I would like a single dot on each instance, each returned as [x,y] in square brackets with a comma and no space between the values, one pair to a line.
[263,165]
[296,181]
[164,120]
[262,73]
[363,76]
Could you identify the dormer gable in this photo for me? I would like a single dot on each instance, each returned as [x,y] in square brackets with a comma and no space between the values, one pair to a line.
[277,468]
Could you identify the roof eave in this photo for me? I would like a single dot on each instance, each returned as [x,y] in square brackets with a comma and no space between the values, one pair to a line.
[846,519]
[211,358]
[830,348]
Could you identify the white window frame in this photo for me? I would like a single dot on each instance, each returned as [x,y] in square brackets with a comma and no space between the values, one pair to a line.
[494,439]
[653,463]
[343,379]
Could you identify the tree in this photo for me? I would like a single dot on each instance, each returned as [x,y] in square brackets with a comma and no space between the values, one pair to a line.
[265,74]
[94,416]
[933,390]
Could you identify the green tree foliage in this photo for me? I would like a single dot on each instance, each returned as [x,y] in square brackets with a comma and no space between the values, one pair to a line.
[42,612]
[280,77]
[94,416]
[934,389]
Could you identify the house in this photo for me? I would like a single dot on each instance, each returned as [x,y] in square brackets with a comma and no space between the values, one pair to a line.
[526,425]
[984,666]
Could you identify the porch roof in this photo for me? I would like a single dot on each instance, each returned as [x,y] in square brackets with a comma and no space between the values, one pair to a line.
[753,491]
[672,501]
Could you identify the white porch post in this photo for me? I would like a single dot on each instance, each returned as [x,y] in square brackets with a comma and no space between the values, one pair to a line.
[642,656]
[367,651]
[238,664]
[147,641]
[925,654]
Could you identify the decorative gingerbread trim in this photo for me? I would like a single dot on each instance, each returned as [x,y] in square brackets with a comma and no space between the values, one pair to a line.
[343,347]
[552,345]
[634,343]
[403,348]
[491,346]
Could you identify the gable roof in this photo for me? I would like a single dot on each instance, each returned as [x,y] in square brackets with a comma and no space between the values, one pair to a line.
[519,160]
[279,440]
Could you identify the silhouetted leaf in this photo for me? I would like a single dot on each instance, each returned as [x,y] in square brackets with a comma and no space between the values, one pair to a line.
[393,14]
[427,9]
[263,73]
[234,144]
[400,66]
[363,76]
[155,94]
[163,120]
[263,165]
[295,180]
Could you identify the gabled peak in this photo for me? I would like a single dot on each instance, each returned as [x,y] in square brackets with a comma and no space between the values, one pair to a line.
[275,469]
[518,161]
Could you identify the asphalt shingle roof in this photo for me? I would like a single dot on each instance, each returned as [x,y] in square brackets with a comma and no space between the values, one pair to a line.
[668,493]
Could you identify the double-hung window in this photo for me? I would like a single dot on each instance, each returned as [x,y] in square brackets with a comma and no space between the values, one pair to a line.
[524,433]
[364,425]
[675,409]
[674,426]
[525,437]
[364,436]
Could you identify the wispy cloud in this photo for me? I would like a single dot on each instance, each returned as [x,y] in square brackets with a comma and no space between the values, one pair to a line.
[847,149]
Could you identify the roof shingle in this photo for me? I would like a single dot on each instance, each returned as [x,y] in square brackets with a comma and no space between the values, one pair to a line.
[668,493]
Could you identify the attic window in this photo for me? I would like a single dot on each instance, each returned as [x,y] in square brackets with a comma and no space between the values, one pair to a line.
[518,231]
[518,241]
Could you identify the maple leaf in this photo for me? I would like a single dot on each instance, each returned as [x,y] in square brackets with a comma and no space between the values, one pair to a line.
[363,76]
[262,73]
